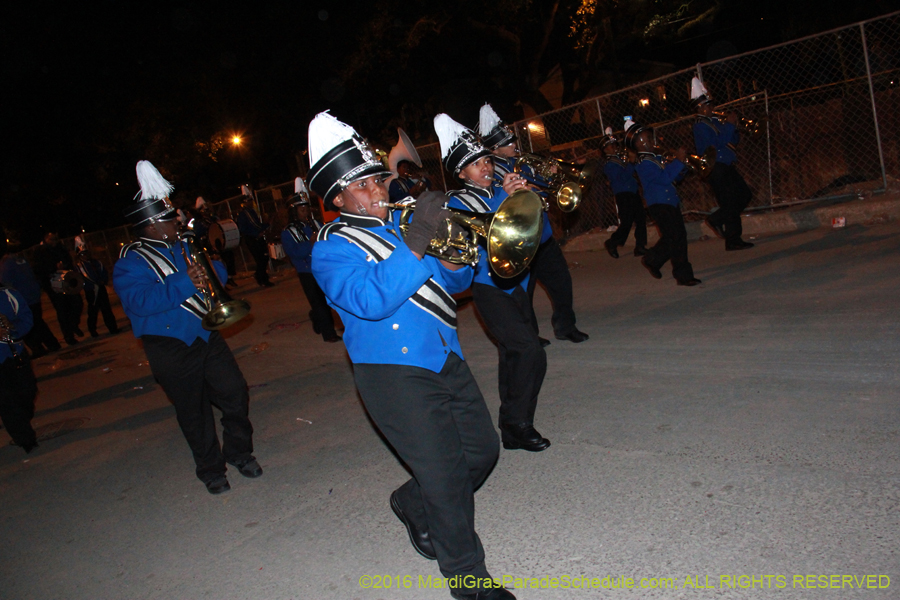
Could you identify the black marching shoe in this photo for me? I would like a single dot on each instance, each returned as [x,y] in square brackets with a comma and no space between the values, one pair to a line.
[718,228]
[332,338]
[640,250]
[218,485]
[78,332]
[689,282]
[491,594]
[523,437]
[737,245]
[654,272]
[574,336]
[544,342]
[249,469]
[420,540]
[611,248]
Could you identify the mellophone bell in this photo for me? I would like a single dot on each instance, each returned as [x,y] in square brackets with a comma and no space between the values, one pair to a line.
[173,297]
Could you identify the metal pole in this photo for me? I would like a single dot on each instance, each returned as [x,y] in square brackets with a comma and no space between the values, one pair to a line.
[769,150]
[530,145]
[862,31]
[600,114]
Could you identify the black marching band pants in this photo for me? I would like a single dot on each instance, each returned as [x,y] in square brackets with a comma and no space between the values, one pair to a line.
[323,321]
[672,244]
[259,250]
[18,389]
[196,378]
[549,266]
[440,427]
[68,312]
[98,302]
[631,212]
[510,320]
[40,339]
[732,195]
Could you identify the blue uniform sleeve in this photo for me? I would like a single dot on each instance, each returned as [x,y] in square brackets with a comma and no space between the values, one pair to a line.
[371,291]
[730,134]
[704,137]
[14,307]
[674,171]
[455,281]
[139,289]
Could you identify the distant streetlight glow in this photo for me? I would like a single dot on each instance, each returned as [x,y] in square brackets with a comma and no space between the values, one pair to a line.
[645,102]
[236,140]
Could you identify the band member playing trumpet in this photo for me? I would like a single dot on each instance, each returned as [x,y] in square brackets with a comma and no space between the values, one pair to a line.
[732,193]
[18,386]
[161,295]
[657,178]
[504,304]
[621,175]
[400,332]
[298,239]
[549,265]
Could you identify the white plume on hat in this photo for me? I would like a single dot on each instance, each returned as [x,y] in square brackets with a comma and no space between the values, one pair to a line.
[326,132]
[79,243]
[200,203]
[698,89]
[299,186]
[628,123]
[487,120]
[448,131]
[608,131]
[245,190]
[153,185]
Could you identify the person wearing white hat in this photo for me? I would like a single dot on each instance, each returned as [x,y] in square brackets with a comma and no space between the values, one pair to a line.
[731,191]
[629,205]
[400,332]
[298,239]
[549,265]
[253,232]
[161,296]
[504,304]
[664,204]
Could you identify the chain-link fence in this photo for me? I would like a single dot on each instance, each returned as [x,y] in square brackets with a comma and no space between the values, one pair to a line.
[828,103]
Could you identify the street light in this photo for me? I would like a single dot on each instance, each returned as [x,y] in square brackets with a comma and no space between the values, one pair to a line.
[236,140]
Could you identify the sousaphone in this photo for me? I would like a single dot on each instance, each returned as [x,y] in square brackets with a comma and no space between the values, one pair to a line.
[403,150]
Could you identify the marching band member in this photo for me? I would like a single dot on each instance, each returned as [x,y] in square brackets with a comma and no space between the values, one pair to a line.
[731,191]
[298,239]
[403,185]
[203,219]
[161,296]
[18,386]
[504,304]
[95,279]
[400,333]
[51,257]
[657,179]
[549,265]
[629,204]
[253,233]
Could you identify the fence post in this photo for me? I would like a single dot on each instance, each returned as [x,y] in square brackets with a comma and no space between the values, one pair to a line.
[862,31]
[600,114]
[769,151]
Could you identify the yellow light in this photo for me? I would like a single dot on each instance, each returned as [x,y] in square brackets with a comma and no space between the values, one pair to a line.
[645,102]
[534,126]
[236,140]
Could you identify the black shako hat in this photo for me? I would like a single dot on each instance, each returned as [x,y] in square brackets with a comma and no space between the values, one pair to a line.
[153,204]
[494,132]
[459,145]
[338,156]
[632,130]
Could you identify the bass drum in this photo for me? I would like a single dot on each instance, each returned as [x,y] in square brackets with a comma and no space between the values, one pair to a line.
[66,282]
[224,235]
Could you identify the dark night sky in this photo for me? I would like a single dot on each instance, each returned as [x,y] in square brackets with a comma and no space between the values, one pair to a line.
[93,87]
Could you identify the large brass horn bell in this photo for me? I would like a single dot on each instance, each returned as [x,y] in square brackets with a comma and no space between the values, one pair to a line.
[224,311]
[564,181]
[512,234]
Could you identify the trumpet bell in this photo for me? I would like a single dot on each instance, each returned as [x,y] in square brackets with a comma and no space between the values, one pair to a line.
[225,314]
[515,233]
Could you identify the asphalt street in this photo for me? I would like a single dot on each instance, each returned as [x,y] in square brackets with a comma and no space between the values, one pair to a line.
[737,439]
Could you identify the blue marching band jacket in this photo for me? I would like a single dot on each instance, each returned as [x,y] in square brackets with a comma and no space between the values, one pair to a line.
[657,178]
[502,166]
[94,274]
[297,242]
[399,189]
[159,298]
[396,308]
[16,311]
[620,175]
[486,201]
[710,131]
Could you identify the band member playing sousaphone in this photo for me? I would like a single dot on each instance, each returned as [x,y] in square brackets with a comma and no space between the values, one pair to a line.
[400,332]
[164,298]
[504,304]
[298,239]
[732,193]
[658,177]
[620,172]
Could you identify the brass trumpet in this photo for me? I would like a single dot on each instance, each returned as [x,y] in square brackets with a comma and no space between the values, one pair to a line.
[565,181]
[223,310]
[512,233]
[752,127]
[701,166]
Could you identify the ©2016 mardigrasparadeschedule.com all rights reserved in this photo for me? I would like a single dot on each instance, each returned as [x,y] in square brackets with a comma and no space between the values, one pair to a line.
[609,582]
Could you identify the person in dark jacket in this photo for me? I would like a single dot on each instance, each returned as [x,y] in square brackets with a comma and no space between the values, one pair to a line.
[51,257]
[95,279]
[15,272]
